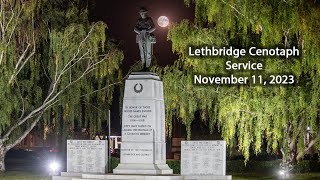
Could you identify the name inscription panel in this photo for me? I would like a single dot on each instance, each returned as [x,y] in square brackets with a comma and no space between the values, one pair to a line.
[203,158]
[137,153]
[86,156]
[138,120]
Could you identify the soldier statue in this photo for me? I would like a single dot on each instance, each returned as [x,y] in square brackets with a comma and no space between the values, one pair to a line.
[145,39]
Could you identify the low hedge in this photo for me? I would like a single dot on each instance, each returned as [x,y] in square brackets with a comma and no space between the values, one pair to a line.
[307,166]
[238,166]
[114,162]
[235,166]
[174,165]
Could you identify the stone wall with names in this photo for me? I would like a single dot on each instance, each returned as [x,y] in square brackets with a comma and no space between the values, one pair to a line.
[203,158]
[86,156]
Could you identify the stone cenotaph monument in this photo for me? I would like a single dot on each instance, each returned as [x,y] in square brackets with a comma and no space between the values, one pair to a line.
[143,146]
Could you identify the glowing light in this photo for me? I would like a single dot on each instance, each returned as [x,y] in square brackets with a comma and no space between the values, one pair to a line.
[282,172]
[54,166]
[163,21]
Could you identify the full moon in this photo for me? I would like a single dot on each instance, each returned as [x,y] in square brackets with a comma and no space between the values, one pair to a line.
[163,21]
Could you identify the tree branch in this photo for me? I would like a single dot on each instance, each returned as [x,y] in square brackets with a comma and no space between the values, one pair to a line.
[49,101]
[294,139]
[106,87]
[119,82]
[52,95]
[19,68]
[25,133]
[14,27]
[59,75]
[233,8]
[22,100]
[33,113]
[68,65]
[312,142]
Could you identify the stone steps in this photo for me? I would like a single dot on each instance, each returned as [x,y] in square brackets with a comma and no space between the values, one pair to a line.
[139,177]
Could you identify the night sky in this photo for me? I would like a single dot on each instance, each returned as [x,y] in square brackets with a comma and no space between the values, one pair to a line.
[121,16]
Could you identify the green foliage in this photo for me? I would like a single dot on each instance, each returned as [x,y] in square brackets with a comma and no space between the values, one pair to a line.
[238,166]
[248,115]
[174,165]
[56,63]
[114,162]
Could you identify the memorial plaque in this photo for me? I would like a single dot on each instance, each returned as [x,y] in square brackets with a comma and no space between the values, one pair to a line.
[203,158]
[138,121]
[86,156]
[137,152]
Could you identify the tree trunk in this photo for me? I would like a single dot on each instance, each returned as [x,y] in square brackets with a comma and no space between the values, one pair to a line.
[2,155]
[293,154]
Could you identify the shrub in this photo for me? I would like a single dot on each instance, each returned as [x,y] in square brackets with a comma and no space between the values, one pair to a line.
[174,165]
[114,162]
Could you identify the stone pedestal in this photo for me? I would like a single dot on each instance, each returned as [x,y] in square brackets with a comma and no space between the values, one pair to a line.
[143,146]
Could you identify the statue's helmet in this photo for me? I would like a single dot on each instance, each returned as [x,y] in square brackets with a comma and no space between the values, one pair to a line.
[143,10]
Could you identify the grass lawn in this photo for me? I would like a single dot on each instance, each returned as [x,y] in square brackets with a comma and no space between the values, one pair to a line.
[251,176]
[20,175]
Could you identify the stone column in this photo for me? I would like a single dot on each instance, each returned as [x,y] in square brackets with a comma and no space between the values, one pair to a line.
[143,146]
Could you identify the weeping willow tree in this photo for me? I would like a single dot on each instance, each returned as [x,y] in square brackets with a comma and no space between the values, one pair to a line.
[249,115]
[56,66]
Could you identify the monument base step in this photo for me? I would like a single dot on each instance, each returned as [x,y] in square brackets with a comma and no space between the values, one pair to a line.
[150,169]
[74,174]
[79,176]
[64,177]
[129,177]
[148,177]
[211,177]
[68,176]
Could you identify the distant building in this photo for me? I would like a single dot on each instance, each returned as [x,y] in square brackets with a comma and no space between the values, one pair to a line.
[115,142]
[34,141]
